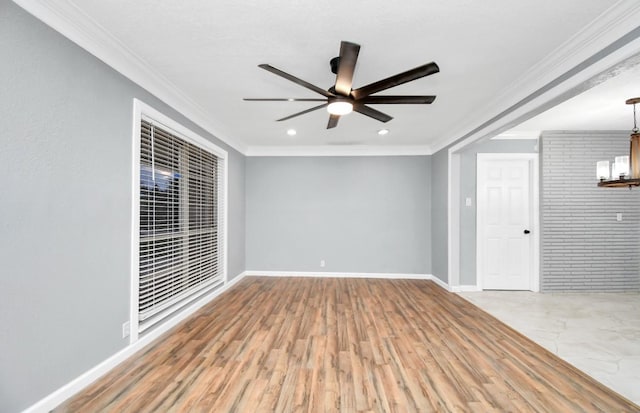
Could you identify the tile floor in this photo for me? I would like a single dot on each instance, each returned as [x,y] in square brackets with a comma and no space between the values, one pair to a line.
[599,333]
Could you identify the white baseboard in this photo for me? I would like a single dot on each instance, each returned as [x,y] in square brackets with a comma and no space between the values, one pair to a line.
[396,276]
[390,276]
[464,288]
[440,282]
[79,383]
[76,385]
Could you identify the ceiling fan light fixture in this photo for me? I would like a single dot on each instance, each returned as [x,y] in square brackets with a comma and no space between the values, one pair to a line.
[340,107]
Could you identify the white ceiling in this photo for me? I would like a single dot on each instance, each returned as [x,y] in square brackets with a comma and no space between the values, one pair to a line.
[208,52]
[600,108]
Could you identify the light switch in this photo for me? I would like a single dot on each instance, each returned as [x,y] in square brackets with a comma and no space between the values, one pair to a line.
[619,216]
[467,201]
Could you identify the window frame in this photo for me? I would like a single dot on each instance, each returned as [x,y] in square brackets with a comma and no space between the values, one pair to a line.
[140,111]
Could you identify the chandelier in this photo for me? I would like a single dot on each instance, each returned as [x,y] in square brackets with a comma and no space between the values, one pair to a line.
[625,170]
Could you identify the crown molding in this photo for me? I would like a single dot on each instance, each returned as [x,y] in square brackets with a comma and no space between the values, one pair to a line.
[614,25]
[328,150]
[611,26]
[67,19]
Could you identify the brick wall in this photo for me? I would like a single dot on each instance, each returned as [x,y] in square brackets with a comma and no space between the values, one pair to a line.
[583,246]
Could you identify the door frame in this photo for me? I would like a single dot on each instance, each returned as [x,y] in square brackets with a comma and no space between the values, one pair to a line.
[534,188]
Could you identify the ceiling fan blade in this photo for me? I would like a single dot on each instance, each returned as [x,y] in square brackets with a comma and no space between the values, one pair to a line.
[372,113]
[283,100]
[295,80]
[346,66]
[333,121]
[392,100]
[303,112]
[400,78]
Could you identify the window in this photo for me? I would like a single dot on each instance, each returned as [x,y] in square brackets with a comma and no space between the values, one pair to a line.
[181,209]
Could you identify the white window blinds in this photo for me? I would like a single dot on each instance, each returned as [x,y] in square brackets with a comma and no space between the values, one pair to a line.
[180,222]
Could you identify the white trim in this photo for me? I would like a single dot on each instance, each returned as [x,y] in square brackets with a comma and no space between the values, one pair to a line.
[453,219]
[142,110]
[76,385]
[225,220]
[439,282]
[184,132]
[620,19]
[539,104]
[552,96]
[535,170]
[385,275]
[66,18]
[135,222]
[464,288]
[399,276]
[328,150]
[533,158]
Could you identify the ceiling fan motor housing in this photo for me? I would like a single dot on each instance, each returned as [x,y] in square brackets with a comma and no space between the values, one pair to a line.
[334,63]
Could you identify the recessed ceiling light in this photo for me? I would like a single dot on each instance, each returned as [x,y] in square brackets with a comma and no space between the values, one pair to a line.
[383,131]
[291,132]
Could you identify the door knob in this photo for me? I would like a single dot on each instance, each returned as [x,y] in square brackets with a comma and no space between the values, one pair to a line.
[526,231]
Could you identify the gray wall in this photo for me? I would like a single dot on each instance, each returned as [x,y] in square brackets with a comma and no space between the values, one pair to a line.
[359,214]
[468,171]
[440,214]
[65,159]
[236,231]
[583,246]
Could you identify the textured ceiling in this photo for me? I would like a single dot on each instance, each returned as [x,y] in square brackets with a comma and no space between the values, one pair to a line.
[209,50]
[599,108]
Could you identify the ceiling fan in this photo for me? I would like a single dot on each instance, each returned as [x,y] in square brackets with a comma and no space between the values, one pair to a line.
[340,99]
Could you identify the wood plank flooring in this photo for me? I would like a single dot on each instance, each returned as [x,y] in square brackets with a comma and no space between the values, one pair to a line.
[344,345]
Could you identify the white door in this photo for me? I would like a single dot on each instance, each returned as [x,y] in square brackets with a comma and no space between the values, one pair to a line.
[505,243]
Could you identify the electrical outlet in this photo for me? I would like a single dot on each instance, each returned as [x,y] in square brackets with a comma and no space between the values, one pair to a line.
[467,201]
[126,329]
[322,263]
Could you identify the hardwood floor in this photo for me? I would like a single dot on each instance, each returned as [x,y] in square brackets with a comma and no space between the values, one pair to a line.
[348,345]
